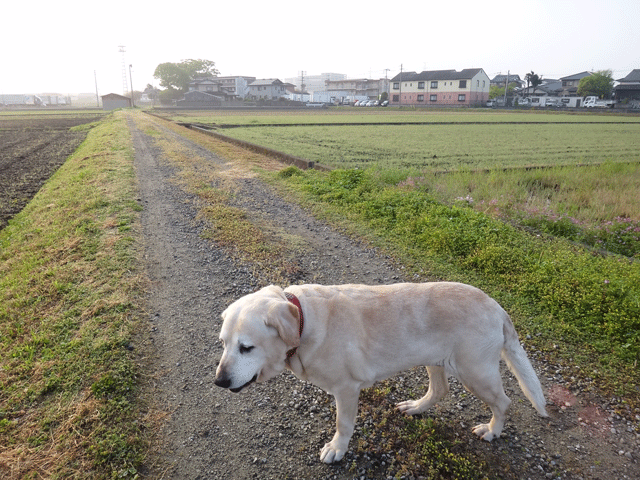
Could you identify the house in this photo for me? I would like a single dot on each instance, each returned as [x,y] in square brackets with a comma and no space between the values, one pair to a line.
[229,88]
[570,84]
[548,88]
[267,89]
[500,80]
[440,88]
[200,99]
[314,83]
[628,88]
[356,88]
[112,101]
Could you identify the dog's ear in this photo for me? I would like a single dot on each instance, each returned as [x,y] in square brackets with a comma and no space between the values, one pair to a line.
[285,318]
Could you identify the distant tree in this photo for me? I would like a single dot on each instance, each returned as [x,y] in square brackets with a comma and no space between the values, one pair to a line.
[176,76]
[151,92]
[599,84]
[384,96]
[199,68]
[533,79]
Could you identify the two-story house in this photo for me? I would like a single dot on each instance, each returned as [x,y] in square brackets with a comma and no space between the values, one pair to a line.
[628,88]
[500,80]
[267,89]
[357,87]
[570,84]
[440,88]
[229,88]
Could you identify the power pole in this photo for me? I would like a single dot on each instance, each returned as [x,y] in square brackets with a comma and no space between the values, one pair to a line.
[302,85]
[506,86]
[400,96]
[131,80]
[386,82]
[95,78]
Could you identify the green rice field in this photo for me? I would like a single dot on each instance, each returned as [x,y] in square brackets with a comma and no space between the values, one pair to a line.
[452,146]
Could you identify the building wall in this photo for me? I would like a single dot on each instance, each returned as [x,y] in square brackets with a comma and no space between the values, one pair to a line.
[466,92]
[267,92]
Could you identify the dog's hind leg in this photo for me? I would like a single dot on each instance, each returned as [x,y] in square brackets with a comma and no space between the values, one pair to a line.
[438,388]
[487,386]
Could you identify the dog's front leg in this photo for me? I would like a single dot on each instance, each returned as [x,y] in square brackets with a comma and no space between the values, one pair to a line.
[346,410]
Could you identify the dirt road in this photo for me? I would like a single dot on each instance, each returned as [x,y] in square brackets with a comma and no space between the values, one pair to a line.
[275,430]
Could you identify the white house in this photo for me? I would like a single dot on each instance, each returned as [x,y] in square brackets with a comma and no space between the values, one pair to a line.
[267,89]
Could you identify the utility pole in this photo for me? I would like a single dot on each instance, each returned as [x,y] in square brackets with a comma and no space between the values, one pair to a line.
[506,86]
[400,96]
[302,85]
[386,82]
[95,78]
[133,104]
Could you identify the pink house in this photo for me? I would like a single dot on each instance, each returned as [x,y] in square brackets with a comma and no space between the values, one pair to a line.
[469,87]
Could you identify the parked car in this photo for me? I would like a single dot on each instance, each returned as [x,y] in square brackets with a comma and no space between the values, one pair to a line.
[385,103]
[490,103]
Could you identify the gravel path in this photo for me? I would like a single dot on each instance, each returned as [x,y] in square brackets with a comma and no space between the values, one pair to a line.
[275,430]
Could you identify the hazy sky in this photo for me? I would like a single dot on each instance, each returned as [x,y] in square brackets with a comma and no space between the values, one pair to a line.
[55,47]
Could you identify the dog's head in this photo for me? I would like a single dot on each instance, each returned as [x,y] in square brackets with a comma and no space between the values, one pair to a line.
[257,331]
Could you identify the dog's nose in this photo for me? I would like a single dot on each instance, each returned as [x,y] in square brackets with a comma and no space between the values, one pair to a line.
[222,381]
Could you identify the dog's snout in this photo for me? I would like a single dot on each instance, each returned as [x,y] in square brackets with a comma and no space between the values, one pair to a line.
[222,381]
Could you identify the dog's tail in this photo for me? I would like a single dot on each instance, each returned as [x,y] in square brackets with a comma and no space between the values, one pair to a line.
[518,362]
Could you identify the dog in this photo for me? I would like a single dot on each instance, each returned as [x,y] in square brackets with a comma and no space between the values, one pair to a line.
[344,338]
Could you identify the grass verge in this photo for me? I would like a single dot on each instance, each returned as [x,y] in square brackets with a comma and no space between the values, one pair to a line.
[69,307]
[583,307]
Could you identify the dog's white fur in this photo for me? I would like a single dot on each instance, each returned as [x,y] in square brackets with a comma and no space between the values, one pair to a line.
[355,335]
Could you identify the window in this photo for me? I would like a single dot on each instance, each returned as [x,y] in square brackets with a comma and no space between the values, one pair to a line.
[462,97]
[396,98]
[396,86]
[421,85]
[421,98]
[463,84]
[434,84]
[434,98]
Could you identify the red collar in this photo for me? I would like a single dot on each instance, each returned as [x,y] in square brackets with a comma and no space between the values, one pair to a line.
[293,299]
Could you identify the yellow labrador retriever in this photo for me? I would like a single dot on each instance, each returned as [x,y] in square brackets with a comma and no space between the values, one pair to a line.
[344,338]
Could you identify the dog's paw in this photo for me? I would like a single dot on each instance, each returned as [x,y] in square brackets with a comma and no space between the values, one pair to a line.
[410,407]
[330,453]
[484,432]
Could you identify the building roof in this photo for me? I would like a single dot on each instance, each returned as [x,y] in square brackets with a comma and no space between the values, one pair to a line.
[114,96]
[265,82]
[633,77]
[576,76]
[502,78]
[465,74]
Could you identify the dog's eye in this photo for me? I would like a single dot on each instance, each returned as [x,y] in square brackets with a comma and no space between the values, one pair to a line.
[245,349]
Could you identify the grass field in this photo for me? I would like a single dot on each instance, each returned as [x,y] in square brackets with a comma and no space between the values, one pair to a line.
[557,172]
[451,147]
[392,115]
